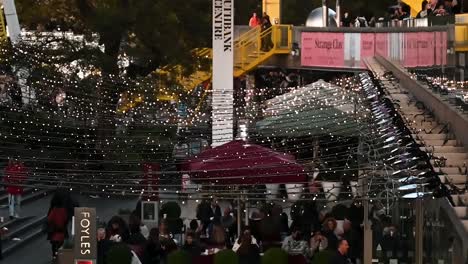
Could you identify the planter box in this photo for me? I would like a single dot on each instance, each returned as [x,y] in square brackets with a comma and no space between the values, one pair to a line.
[65,256]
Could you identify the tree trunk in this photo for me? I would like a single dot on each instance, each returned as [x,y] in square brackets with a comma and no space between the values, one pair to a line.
[109,92]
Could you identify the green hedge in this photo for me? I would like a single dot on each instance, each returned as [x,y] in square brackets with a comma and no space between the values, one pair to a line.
[119,254]
[226,257]
[178,257]
[275,256]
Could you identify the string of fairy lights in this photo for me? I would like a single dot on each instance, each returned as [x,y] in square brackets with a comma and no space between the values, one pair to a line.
[70,133]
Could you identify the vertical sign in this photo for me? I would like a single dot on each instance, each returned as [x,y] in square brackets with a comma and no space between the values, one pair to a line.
[85,235]
[223,73]
[3,32]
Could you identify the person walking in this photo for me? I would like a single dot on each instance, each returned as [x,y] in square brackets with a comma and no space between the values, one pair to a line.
[14,178]
[57,220]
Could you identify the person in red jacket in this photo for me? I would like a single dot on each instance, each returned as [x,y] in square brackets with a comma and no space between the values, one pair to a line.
[14,178]
[254,21]
[57,221]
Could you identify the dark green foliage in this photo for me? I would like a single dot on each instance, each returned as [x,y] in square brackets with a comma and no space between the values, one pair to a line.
[178,257]
[275,256]
[322,257]
[226,257]
[154,33]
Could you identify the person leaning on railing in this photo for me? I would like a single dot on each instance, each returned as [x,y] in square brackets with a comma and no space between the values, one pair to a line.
[425,10]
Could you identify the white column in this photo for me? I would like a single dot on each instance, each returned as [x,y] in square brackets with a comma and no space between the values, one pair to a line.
[223,73]
[338,13]
[12,20]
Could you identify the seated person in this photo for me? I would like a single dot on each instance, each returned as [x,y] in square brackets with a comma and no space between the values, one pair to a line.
[294,245]
[318,242]
[191,246]
[237,243]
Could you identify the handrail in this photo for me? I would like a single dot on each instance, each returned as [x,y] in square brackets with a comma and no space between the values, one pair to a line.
[251,33]
[257,45]
[456,226]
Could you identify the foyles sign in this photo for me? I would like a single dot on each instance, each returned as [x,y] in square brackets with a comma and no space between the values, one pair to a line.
[223,74]
[85,235]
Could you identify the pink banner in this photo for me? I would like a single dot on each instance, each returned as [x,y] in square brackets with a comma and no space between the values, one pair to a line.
[367,46]
[410,49]
[322,49]
[381,44]
[426,49]
[413,49]
[440,48]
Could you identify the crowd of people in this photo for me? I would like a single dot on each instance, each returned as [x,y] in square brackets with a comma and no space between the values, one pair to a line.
[402,11]
[305,233]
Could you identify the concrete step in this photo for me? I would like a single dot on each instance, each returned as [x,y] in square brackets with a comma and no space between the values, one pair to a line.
[460,199]
[26,232]
[461,211]
[424,125]
[456,199]
[455,179]
[445,149]
[437,142]
[448,170]
[452,156]
[431,136]
[465,223]
[405,108]
[453,162]
[33,195]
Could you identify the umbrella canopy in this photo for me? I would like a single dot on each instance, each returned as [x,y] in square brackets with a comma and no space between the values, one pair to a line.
[238,162]
[317,109]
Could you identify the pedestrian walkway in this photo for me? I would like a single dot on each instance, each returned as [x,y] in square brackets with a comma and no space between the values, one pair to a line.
[38,251]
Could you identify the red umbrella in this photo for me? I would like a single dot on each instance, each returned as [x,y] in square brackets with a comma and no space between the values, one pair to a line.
[238,162]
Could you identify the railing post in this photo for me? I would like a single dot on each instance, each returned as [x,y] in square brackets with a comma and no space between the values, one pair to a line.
[258,36]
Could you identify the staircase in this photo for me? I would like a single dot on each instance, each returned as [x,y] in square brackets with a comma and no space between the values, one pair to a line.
[448,156]
[254,47]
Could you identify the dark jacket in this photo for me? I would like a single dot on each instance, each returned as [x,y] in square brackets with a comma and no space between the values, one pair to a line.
[332,239]
[153,253]
[193,250]
[354,240]
[137,243]
[250,256]
[103,247]
[204,212]
[339,259]
[216,213]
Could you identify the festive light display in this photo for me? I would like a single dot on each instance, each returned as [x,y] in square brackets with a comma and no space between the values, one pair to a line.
[62,120]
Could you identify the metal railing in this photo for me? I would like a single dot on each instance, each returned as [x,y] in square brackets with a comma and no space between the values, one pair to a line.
[256,46]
